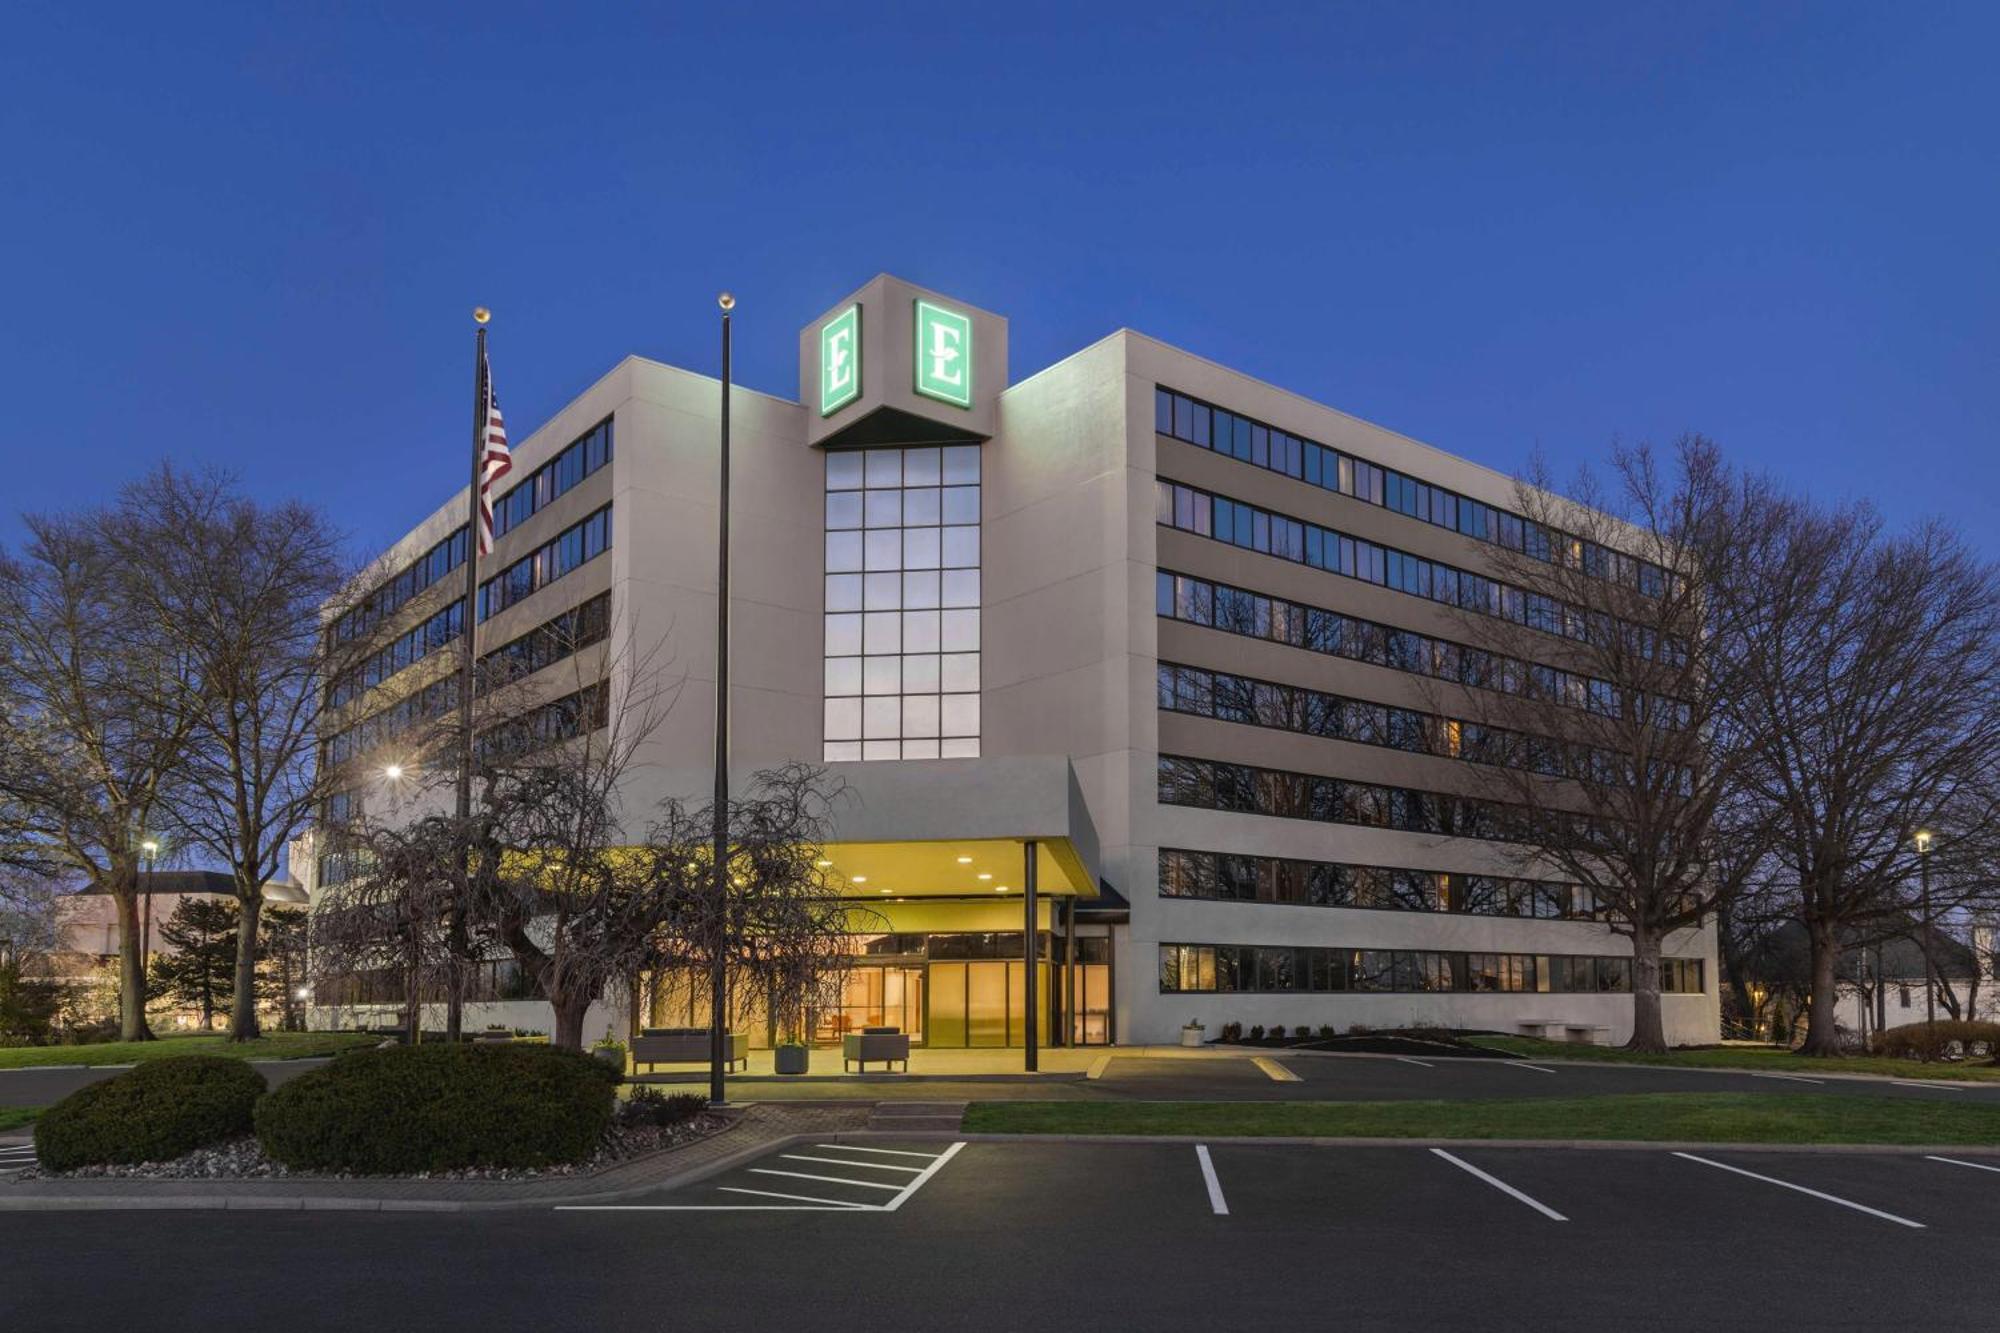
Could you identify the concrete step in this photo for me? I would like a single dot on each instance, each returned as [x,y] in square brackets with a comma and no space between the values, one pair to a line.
[918,1117]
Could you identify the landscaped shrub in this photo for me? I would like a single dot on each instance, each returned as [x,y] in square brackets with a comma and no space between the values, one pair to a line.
[152,1113]
[1953,1036]
[407,1109]
[650,1106]
[1278,1031]
[1326,1032]
[1232,1032]
[1257,1032]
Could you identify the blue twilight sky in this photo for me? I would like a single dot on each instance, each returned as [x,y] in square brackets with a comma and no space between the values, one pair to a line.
[251,235]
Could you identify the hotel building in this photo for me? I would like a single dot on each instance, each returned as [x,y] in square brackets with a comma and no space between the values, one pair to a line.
[1138,632]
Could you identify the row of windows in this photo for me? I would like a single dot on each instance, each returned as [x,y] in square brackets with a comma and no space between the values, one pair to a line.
[1253,442]
[1222,877]
[1257,615]
[409,648]
[577,461]
[1210,784]
[1191,510]
[1226,697]
[579,458]
[420,574]
[378,729]
[557,720]
[1264,968]
[549,642]
[543,646]
[573,546]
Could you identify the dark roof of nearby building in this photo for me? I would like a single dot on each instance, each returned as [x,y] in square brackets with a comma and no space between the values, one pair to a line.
[206,881]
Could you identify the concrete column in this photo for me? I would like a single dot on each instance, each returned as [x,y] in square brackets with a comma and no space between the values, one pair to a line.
[1029,1004]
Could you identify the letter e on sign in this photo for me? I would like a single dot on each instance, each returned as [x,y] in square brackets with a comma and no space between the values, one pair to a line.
[944,354]
[840,361]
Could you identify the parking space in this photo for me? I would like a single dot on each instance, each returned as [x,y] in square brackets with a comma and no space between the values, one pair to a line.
[16,1153]
[876,1177]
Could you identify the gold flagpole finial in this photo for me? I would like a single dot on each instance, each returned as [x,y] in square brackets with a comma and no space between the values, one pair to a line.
[480,314]
[726,301]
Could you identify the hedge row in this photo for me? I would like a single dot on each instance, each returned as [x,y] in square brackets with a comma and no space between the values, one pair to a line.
[399,1110]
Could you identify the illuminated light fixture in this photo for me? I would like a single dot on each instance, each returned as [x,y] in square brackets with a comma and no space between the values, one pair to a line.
[394,772]
[881,890]
[860,879]
[149,847]
[999,888]
[303,993]
[985,875]
[823,863]
[965,860]
[1924,841]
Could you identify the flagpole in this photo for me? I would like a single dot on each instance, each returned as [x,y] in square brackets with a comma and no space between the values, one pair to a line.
[718,1018]
[454,1018]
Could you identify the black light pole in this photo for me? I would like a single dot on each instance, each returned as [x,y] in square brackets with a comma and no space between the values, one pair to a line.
[1031,1027]
[718,1025]
[1930,968]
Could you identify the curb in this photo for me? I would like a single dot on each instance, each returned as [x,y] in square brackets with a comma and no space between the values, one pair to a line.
[1621,1145]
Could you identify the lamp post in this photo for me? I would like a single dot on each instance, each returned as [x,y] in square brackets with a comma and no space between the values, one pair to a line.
[149,850]
[718,1021]
[1930,968]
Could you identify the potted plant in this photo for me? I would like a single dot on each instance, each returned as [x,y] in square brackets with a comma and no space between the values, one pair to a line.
[1192,1032]
[610,1050]
[791,1055]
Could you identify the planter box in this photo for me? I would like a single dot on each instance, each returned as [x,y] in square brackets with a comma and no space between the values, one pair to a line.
[790,1059]
[1192,1036]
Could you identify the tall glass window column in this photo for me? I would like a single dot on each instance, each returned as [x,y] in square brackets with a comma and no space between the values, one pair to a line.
[902,603]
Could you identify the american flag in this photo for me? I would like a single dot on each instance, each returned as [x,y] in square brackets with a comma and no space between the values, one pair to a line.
[495,461]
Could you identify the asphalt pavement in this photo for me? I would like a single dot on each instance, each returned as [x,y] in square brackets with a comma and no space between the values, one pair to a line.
[46,1085]
[1073,1235]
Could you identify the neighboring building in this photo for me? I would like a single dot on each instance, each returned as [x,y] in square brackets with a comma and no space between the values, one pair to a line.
[1137,624]
[1882,986]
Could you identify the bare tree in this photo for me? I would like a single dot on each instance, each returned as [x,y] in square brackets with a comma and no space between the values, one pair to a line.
[1877,665]
[238,589]
[1594,701]
[92,718]
[783,928]
[576,906]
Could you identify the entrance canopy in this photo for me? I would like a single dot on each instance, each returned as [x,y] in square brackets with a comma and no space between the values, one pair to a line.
[957,827]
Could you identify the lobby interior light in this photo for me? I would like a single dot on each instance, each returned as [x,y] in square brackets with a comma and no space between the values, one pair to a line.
[999,888]
[985,875]
[860,879]
[965,860]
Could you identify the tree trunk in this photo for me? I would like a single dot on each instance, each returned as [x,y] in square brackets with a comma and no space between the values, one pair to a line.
[570,1011]
[132,1024]
[1822,1034]
[1649,1031]
[243,1005]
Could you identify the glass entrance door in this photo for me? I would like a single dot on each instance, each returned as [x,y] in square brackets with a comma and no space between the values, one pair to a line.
[982,1003]
[873,997]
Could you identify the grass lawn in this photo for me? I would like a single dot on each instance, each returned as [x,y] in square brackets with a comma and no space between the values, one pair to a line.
[1763,1059]
[13,1117]
[1708,1117]
[273,1046]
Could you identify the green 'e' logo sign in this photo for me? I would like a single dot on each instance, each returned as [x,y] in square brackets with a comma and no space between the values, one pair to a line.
[840,360]
[944,354]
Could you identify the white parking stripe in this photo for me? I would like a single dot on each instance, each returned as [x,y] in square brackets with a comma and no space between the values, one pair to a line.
[1412,1060]
[1976,1166]
[1502,1186]
[1941,1087]
[1793,1078]
[1523,1064]
[849,1161]
[830,1180]
[920,1181]
[803,1198]
[892,1152]
[1215,1200]
[1830,1198]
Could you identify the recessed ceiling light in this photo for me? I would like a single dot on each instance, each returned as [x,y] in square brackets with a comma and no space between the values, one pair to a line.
[986,876]
[965,860]
[881,890]
[822,863]
[999,888]
[861,879]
